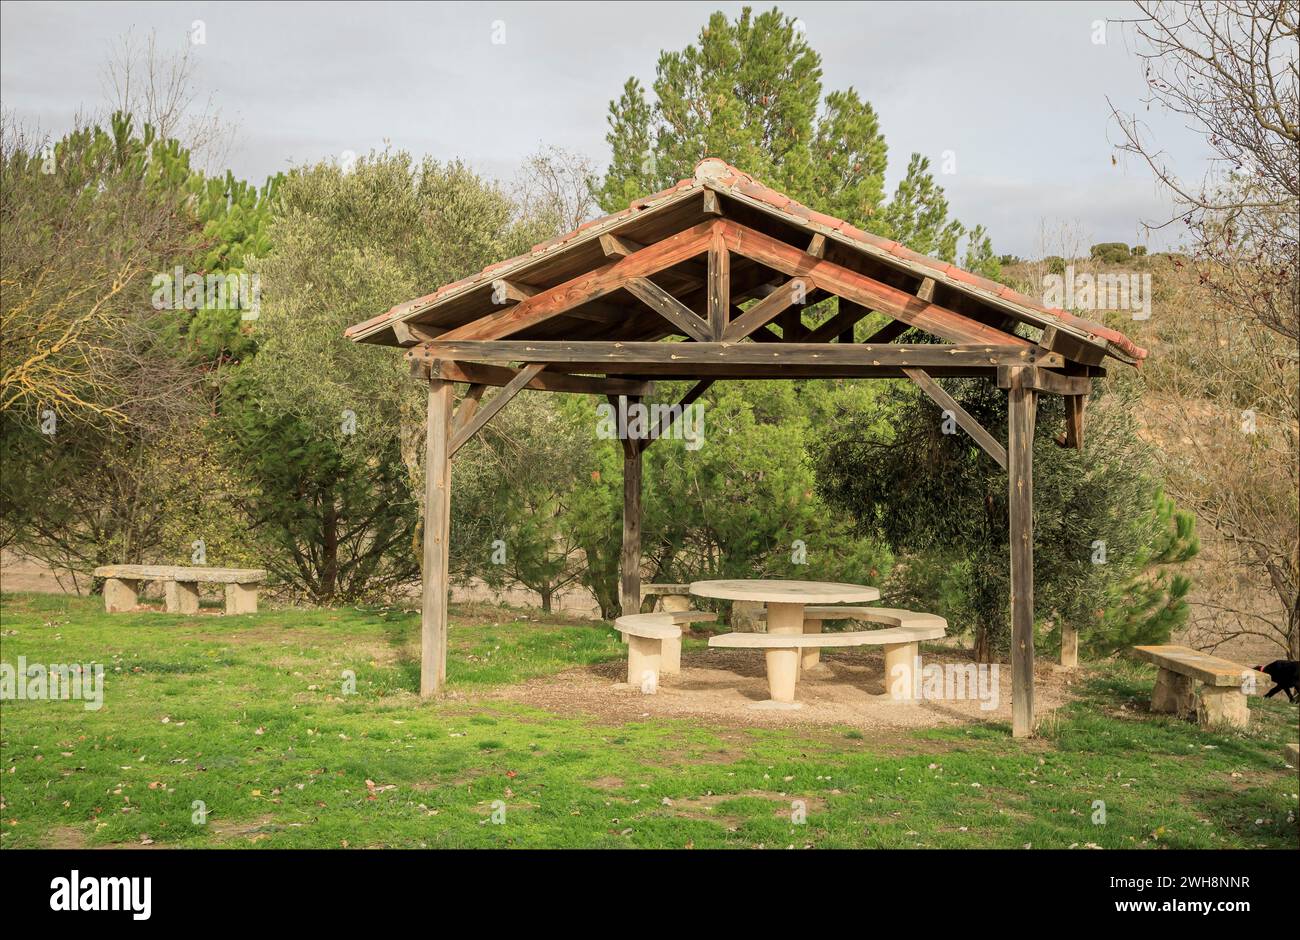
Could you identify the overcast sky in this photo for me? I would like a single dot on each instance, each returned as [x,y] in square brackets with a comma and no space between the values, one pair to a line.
[1016,91]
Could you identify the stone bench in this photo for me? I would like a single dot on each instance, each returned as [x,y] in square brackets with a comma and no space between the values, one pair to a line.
[654,644]
[904,631]
[671,597]
[181,586]
[1192,684]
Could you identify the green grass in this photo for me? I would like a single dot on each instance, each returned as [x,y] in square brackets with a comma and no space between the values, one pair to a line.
[248,715]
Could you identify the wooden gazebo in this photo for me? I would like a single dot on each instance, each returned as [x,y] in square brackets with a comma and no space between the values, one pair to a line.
[688,284]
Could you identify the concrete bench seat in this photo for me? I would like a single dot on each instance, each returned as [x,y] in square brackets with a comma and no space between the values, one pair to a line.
[901,637]
[815,616]
[181,586]
[1192,684]
[654,644]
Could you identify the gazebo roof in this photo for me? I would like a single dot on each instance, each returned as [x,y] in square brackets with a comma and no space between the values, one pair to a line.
[717,190]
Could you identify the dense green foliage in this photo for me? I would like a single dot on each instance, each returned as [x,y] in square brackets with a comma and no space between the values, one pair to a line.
[749,91]
[911,477]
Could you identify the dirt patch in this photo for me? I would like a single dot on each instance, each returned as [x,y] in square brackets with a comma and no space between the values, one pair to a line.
[249,831]
[65,837]
[723,686]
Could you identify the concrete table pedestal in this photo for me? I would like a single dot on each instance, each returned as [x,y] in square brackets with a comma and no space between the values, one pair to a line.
[785,602]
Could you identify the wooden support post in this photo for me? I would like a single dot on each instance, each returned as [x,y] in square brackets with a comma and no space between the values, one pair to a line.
[1020,465]
[437,530]
[629,564]
[719,287]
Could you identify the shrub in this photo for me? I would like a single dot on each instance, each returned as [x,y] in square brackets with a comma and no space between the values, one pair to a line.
[1110,252]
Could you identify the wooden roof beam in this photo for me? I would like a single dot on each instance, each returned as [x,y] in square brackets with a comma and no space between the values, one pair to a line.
[579,290]
[650,354]
[483,375]
[876,295]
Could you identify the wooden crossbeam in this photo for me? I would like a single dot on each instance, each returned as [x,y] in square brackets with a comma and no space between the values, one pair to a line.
[876,295]
[768,309]
[696,390]
[964,418]
[743,354]
[1041,380]
[482,375]
[669,307]
[485,414]
[587,287]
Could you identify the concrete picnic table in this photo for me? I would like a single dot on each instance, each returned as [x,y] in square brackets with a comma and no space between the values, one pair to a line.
[785,601]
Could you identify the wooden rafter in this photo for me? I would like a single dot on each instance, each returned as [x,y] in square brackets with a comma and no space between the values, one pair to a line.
[494,376]
[412,334]
[875,295]
[587,287]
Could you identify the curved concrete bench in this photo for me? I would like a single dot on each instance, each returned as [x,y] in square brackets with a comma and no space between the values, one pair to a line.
[654,644]
[901,638]
[815,616]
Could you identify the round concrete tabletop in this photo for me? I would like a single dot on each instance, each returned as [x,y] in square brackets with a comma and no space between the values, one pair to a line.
[785,592]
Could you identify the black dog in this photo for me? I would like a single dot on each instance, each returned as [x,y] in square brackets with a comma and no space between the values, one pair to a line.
[1285,673]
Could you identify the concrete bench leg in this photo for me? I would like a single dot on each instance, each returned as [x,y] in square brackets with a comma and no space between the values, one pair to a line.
[1222,706]
[1174,694]
[670,656]
[182,597]
[745,616]
[812,655]
[644,660]
[241,599]
[120,594]
[900,666]
[674,603]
